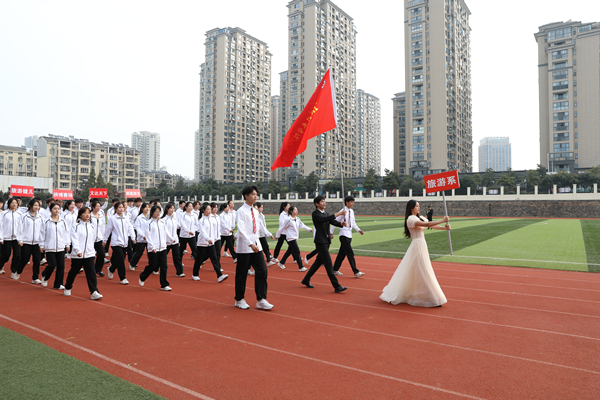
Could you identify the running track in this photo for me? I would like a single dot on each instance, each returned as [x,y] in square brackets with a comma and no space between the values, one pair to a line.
[505,333]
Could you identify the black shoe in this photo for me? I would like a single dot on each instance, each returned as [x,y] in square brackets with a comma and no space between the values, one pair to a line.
[100,273]
[340,289]
[307,284]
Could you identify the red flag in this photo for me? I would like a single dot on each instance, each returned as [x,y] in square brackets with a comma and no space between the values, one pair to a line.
[319,115]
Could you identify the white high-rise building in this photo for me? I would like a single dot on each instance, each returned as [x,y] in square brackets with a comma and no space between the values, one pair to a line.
[494,153]
[31,142]
[148,144]
[369,133]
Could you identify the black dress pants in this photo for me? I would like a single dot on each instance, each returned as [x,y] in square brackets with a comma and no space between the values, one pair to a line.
[139,252]
[256,261]
[117,261]
[100,254]
[228,244]
[203,254]
[345,251]
[280,242]
[88,268]
[265,246]
[158,261]
[183,242]
[30,251]
[322,259]
[294,251]
[8,247]
[56,260]
[174,249]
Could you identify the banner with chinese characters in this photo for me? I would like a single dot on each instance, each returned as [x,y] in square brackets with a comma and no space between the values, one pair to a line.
[96,193]
[21,191]
[62,194]
[441,182]
[132,193]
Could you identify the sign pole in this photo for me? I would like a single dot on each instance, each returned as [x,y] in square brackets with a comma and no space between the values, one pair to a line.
[446,213]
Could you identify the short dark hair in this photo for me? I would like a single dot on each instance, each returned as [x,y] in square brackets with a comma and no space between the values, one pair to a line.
[213,204]
[48,200]
[114,200]
[248,190]
[94,203]
[348,198]
[129,199]
[181,202]
[137,199]
[318,199]
[153,209]
[78,200]
[223,206]
[258,204]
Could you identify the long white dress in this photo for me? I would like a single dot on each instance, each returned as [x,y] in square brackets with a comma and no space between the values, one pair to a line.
[414,281]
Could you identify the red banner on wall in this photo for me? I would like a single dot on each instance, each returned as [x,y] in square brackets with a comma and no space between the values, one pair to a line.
[132,193]
[26,191]
[441,182]
[62,194]
[97,193]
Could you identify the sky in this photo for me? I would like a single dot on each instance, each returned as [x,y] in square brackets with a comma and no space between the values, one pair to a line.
[103,70]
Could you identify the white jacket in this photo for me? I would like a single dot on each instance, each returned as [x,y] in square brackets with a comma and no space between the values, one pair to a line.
[55,236]
[188,224]
[206,231]
[83,236]
[171,226]
[31,229]
[99,225]
[197,215]
[283,219]
[226,224]
[216,220]
[70,218]
[133,214]
[45,213]
[156,235]
[10,224]
[263,231]
[121,230]
[291,229]
[141,226]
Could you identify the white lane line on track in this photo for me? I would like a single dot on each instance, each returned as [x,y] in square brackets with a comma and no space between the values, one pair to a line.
[111,360]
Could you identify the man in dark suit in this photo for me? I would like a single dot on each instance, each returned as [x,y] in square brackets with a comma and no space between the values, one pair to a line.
[322,222]
[429,215]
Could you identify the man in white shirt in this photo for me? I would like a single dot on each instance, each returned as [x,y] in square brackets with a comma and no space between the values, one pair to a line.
[136,209]
[346,239]
[249,253]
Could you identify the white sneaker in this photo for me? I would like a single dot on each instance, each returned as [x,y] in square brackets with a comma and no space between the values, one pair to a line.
[36,281]
[106,261]
[302,269]
[359,274]
[221,269]
[251,272]
[81,270]
[226,254]
[338,273]
[131,267]
[182,264]
[274,259]
[96,296]
[43,261]
[17,276]
[235,260]
[242,304]
[264,305]
[281,265]
[185,252]
[155,272]
[44,282]
[140,282]
[295,262]
[222,278]
[271,263]
[125,282]
[110,274]
[28,262]
[180,275]
[67,292]
[306,260]
[196,278]
[2,271]
[166,288]
[202,263]
[61,287]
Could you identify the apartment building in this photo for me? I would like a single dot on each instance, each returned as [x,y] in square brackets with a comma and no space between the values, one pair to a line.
[17,161]
[68,161]
[148,145]
[153,179]
[399,102]
[275,124]
[569,90]
[438,86]
[31,142]
[368,134]
[321,35]
[495,153]
[233,142]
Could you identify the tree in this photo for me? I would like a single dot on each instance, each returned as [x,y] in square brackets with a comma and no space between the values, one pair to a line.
[300,185]
[100,181]
[391,180]
[564,179]
[273,188]
[90,183]
[467,182]
[509,180]
[371,182]
[410,183]
[180,185]
[587,179]
[312,180]
[335,185]
[488,179]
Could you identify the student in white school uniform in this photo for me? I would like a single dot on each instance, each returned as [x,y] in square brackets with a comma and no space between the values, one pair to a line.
[10,225]
[54,241]
[197,215]
[187,234]
[29,240]
[206,244]
[264,233]
[292,233]
[172,226]
[283,217]
[137,203]
[156,236]
[120,230]
[216,224]
[227,228]
[346,239]
[229,246]
[99,222]
[140,226]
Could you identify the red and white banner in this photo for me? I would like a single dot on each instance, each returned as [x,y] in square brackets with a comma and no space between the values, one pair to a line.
[96,193]
[441,182]
[62,194]
[318,116]
[25,191]
[132,193]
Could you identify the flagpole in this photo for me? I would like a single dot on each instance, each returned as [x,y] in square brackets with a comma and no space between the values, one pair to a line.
[446,211]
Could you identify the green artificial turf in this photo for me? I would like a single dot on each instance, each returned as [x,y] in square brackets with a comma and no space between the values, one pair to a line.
[31,370]
[591,238]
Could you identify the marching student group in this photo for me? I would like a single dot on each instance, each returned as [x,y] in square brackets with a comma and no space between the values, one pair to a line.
[84,234]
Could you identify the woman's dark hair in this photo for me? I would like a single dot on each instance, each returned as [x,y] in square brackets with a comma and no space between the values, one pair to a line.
[248,190]
[114,200]
[213,205]
[186,204]
[32,203]
[153,209]
[181,202]
[78,200]
[196,202]
[223,206]
[258,204]
[202,208]
[10,201]
[142,207]
[282,206]
[409,207]
[52,206]
[318,199]
[67,204]
[81,211]
[167,208]
[117,204]
[291,209]
[94,203]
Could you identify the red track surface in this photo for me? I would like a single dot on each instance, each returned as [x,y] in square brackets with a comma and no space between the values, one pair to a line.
[505,333]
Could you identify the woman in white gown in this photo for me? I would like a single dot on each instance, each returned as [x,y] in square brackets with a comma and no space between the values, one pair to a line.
[414,281]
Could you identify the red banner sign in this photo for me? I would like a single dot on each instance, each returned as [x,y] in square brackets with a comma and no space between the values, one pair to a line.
[132,193]
[441,182]
[96,193]
[62,194]
[25,191]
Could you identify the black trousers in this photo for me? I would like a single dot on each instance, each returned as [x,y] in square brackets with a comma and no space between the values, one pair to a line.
[280,242]
[345,251]
[88,268]
[55,260]
[217,250]
[312,254]
[139,252]
[322,259]
[256,261]
[7,247]
[265,246]
[183,242]
[158,261]
[228,245]
[203,254]
[100,254]
[294,251]
[117,261]
[107,245]
[129,249]
[174,249]
[28,251]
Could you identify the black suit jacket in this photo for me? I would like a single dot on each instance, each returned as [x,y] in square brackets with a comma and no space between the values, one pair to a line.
[321,221]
